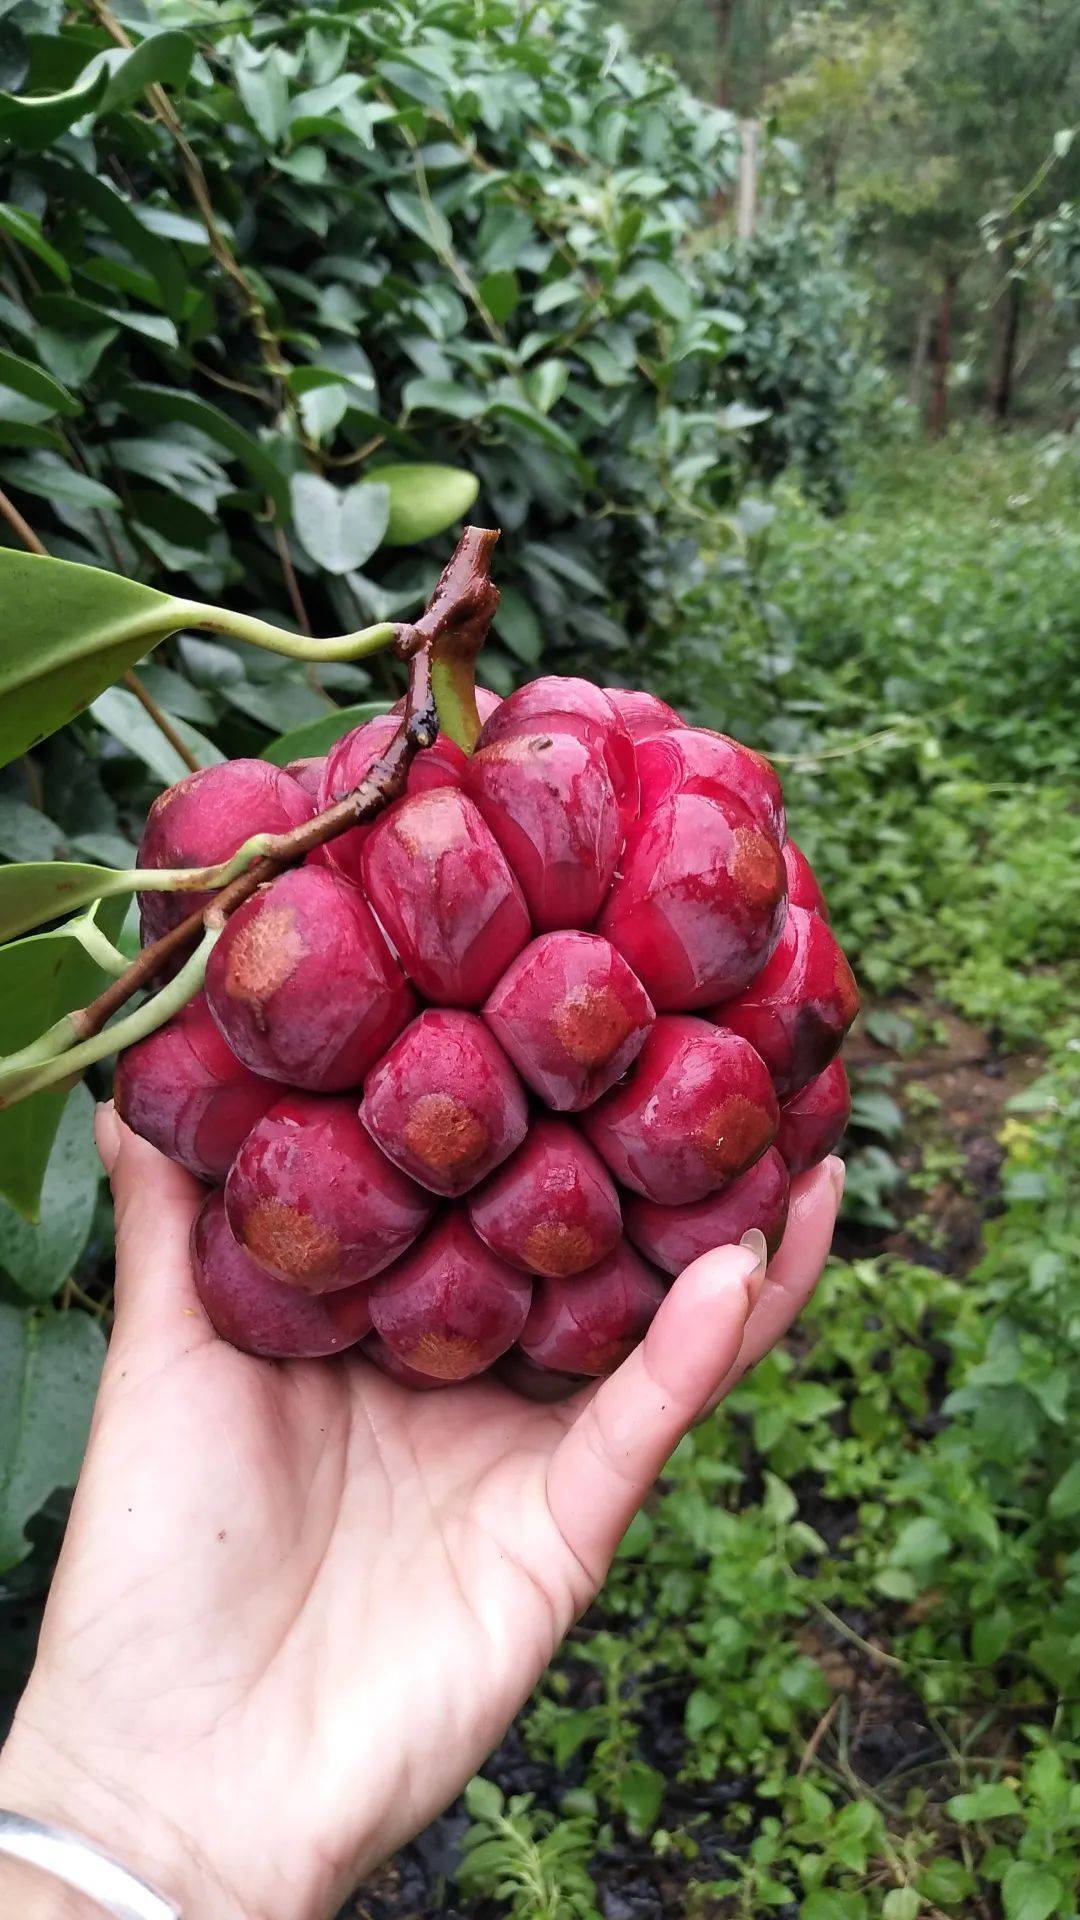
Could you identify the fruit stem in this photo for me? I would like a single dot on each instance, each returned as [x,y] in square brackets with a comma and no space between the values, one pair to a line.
[452,631]
[19,1082]
[260,633]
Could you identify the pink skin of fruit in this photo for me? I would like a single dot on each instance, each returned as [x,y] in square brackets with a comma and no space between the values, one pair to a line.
[553,1208]
[261,1315]
[314,1202]
[671,1237]
[450,1306]
[691,1117]
[550,803]
[204,819]
[642,714]
[302,984]
[572,1017]
[559,704]
[451,906]
[444,1104]
[185,1091]
[699,903]
[542,1384]
[802,882]
[349,762]
[691,760]
[589,1324]
[812,1121]
[308,773]
[798,1009]
[386,1360]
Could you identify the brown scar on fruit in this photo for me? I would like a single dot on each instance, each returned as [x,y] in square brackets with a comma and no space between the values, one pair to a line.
[559,1249]
[281,1236]
[757,867]
[729,1134]
[444,1133]
[592,1025]
[446,1356]
[262,956]
[431,828]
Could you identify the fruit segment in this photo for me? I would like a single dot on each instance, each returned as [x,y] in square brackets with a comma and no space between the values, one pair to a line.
[560,704]
[184,1090]
[311,1198]
[549,801]
[674,1236]
[589,1324]
[302,984]
[692,760]
[812,1121]
[802,881]
[700,900]
[259,1314]
[798,1009]
[386,1360]
[447,898]
[204,819]
[450,1306]
[691,1116]
[553,1208]
[444,1103]
[572,1016]
[348,764]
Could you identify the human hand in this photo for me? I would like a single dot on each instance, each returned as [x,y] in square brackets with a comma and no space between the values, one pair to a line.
[297,1605]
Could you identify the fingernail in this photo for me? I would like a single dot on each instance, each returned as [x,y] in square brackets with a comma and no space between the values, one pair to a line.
[107,1134]
[754,1242]
[837,1174]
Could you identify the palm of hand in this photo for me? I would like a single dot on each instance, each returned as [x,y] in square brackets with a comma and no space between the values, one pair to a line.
[298,1604]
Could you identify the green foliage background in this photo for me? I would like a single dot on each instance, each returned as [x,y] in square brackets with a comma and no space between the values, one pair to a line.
[264,338]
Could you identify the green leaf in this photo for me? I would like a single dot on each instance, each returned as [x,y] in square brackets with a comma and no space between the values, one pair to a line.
[424,499]
[163,59]
[69,632]
[149,402]
[641,1793]
[23,228]
[443,396]
[993,1800]
[122,715]
[23,376]
[901,1903]
[500,293]
[159,258]
[49,1369]
[483,1799]
[668,289]
[39,1258]
[37,891]
[41,979]
[317,736]
[1064,1501]
[425,221]
[339,528]
[263,86]
[516,623]
[26,834]
[50,477]
[1029,1892]
[33,122]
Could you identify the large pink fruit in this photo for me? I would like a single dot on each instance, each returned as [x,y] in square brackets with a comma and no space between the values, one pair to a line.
[348,764]
[184,1090]
[804,889]
[204,819]
[303,985]
[691,1116]
[812,1121]
[261,1315]
[450,1306]
[799,1007]
[558,704]
[444,1103]
[642,714]
[572,1017]
[589,1324]
[553,1208]
[674,1236]
[690,760]
[315,1202]
[549,801]
[699,902]
[446,896]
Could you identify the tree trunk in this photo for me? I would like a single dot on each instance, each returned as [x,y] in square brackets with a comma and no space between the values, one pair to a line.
[746,202]
[920,350]
[1001,386]
[939,391]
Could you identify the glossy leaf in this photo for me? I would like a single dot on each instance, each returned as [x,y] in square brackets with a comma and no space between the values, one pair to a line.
[34,121]
[25,377]
[317,736]
[339,527]
[424,499]
[49,1368]
[149,402]
[39,1257]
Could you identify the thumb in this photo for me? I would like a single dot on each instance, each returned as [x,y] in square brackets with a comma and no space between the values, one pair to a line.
[157,1309]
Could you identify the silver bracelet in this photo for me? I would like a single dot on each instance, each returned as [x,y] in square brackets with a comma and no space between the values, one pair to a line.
[79,1864]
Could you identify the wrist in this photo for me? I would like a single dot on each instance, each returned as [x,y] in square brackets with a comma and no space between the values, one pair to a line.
[42,1781]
